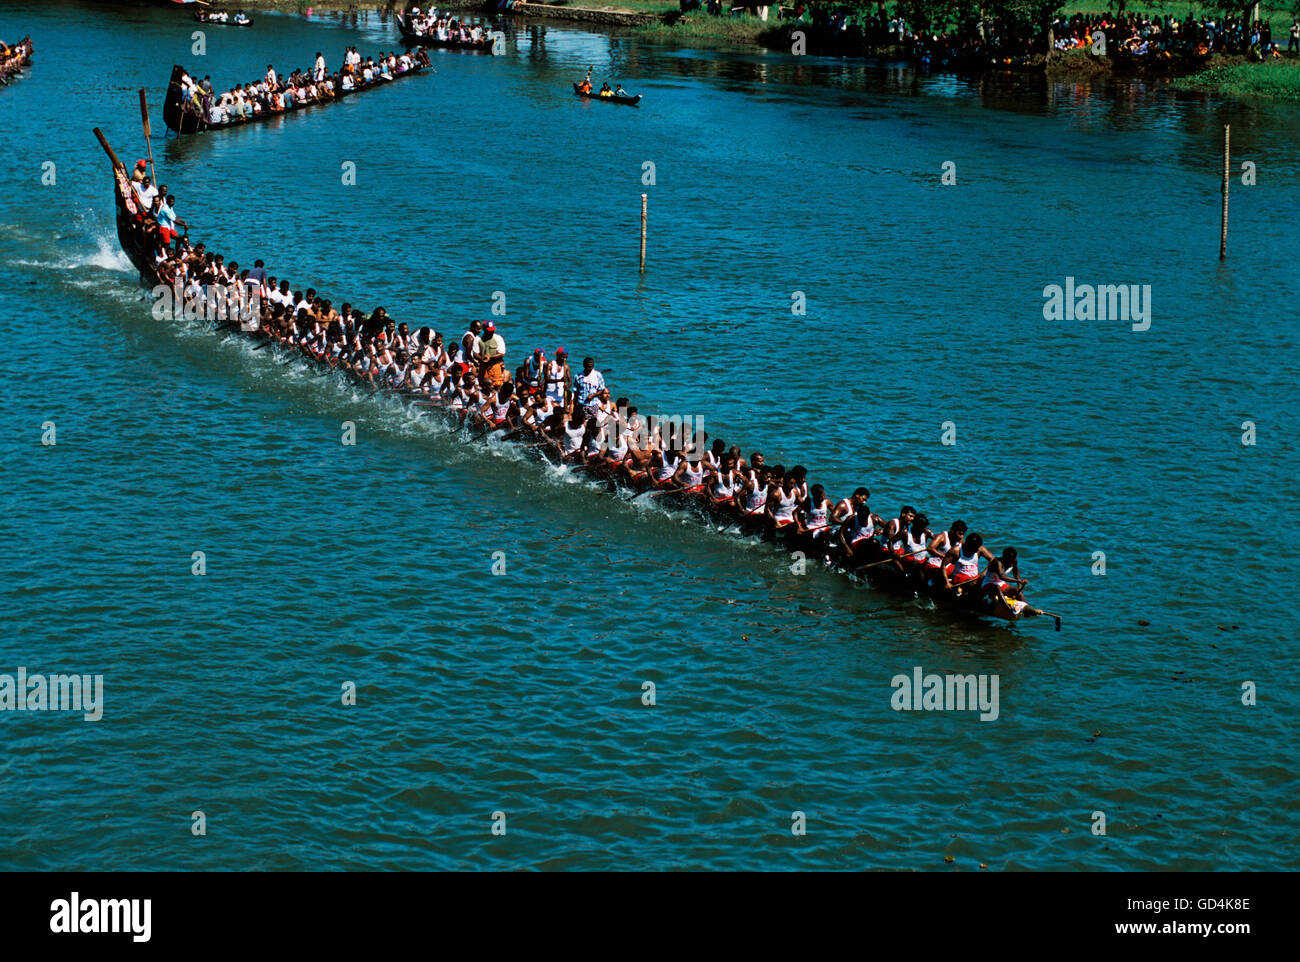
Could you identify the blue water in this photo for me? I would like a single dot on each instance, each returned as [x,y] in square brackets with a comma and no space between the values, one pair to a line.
[522,693]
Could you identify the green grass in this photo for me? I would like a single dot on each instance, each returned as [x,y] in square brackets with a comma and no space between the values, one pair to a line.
[1276,80]
[699,27]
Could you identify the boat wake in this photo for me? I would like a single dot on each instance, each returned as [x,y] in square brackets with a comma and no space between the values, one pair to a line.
[108,256]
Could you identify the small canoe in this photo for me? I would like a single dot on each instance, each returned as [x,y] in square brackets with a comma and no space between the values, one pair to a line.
[630,101]
[15,59]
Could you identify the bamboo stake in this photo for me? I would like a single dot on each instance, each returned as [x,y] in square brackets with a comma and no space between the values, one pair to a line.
[1223,229]
[643,213]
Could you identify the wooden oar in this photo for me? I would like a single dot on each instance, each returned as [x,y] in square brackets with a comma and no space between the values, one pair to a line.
[148,136]
[872,565]
[1054,617]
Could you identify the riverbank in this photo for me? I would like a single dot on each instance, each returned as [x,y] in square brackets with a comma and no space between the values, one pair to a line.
[662,22]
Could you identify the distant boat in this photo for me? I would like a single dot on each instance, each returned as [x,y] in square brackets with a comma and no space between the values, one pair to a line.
[202,16]
[411,38]
[15,59]
[184,121]
[630,101]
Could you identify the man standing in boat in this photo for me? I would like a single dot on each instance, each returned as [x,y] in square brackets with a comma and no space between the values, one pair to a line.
[588,384]
[558,378]
[318,72]
[492,357]
[469,345]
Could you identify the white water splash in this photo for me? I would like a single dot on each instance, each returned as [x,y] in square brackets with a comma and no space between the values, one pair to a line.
[107,257]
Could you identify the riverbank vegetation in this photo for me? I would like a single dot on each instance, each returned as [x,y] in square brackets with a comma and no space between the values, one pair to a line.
[1216,45]
[1275,81]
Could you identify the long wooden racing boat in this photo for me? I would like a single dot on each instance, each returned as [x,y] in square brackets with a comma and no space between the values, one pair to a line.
[184,120]
[206,18]
[411,38]
[964,602]
[14,59]
[630,101]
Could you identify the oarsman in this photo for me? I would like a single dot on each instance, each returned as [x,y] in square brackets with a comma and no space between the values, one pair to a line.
[690,475]
[558,378]
[897,527]
[422,344]
[723,483]
[491,357]
[1002,582]
[616,445]
[575,432]
[753,495]
[531,375]
[782,501]
[539,412]
[798,476]
[501,411]
[593,444]
[138,174]
[849,506]
[962,563]
[601,409]
[813,521]
[944,542]
[713,456]
[858,537]
[469,345]
[663,467]
[640,443]
[916,545]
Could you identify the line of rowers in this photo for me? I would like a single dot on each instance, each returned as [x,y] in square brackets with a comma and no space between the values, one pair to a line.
[572,415]
[446,28]
[279,93]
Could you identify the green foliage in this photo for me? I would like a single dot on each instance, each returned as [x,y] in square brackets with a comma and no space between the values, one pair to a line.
[1277,80]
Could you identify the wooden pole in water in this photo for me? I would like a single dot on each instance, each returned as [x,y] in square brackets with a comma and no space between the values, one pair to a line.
[1223,229]
[643,211]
